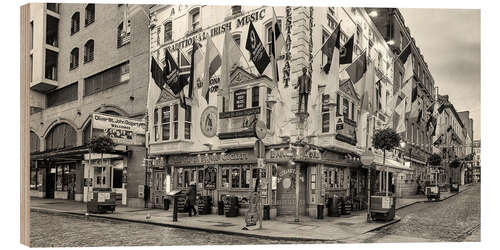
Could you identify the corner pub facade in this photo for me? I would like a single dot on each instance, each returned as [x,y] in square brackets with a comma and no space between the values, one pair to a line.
[307,159]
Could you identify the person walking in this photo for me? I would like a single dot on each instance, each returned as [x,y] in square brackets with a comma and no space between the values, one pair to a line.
[191,199]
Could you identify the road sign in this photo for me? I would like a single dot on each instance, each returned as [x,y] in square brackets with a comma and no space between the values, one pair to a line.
[259,149]
[339,121]
[260,130]
[367,158]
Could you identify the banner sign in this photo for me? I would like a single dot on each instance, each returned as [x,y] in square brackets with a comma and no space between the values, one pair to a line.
[346,130]
[122,130]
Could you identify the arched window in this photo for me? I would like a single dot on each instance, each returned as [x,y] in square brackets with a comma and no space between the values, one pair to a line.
[34,142]
[75,23]
[89,51]
[73,64]
[194,19]
[123,34]
[89,14]
[60,136]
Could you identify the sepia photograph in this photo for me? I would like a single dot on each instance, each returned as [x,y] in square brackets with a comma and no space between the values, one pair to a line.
[173,125]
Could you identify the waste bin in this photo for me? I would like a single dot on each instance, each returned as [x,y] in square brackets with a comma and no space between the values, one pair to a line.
[332,204]
[205,205]
[266,212]
[231,206]
[319,211]
[346,205]
[220,207]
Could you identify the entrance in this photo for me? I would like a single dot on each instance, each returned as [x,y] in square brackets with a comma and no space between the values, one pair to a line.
[286,191]
[51,184]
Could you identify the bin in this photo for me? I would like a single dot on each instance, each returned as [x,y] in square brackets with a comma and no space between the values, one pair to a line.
[346,206]
[231,206]
[332,204]
[205,205]
[266,212]
[103,201]
[319,211]
[383,207]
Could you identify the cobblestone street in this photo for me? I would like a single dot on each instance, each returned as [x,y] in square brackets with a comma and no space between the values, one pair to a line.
[455,219]
[50,230]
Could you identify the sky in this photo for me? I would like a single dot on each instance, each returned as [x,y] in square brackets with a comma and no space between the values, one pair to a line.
[450,41]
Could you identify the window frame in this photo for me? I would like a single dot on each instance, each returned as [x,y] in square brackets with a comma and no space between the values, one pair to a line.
[88,53]
[166,37]
[75,23]
[325,113]
[268,28]
[192,22]
[74,58]
[89,14]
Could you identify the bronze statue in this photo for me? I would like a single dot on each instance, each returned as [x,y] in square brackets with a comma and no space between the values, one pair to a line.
[304,85]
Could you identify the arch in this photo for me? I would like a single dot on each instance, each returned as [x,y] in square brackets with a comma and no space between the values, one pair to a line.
[109,108]
[60,136]
[34,142]
[56,122]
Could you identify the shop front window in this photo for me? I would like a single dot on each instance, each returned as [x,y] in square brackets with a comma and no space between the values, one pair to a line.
[235,177]
[225,177]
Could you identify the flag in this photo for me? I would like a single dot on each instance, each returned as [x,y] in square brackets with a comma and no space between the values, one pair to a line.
[407,60]
[329,46]
[171,73]
[379,94]
[231,55]
[258,54]
[279,41]
[407,91]
[212,64]
[399,117]
[346,51]
[277,44]
[416,105]
[195,71]
[157,73]
[357,69]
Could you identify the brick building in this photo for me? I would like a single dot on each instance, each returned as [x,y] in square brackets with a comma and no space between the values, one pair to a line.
[85,59]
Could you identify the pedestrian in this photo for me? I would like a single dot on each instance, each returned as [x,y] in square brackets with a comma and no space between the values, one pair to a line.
[191,199]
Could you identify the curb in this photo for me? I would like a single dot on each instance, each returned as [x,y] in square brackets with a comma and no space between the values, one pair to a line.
[52,211]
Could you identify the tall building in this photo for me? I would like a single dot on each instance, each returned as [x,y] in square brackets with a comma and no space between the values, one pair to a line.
[87,59]
[311,156]
[477,161]
[391,24]
[467,168]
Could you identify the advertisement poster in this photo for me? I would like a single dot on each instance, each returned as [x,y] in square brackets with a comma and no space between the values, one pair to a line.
[123,131]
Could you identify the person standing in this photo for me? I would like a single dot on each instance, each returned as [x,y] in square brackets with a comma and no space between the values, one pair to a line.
[304,86]
[191,199]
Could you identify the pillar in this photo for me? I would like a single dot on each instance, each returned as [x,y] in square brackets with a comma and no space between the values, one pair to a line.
[297,191]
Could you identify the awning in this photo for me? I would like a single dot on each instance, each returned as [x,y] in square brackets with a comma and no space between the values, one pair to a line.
[390,164]
[74,153]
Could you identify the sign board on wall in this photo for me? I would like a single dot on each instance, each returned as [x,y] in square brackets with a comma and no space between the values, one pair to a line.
[122,130]
[346,130]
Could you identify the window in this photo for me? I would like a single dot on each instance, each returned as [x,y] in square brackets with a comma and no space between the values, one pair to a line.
[89,14]
[338,104]
[352,112]
[73,64]
[240,176]
[240,99]
[268,111]
[378,95]
[34,142]
[187,123]
[379,60]
[331,21]
[331,11]
[334,178]
[225,177]
[176,121]
[107,79]
[345,108]
[167,32]
[401,36]
[269,34]
[63,95]
[89,51]
[123,34]
[155,122]
[255,96]
[117,177]
[60,136]
[237,39]
[235,9]
[325,114]
[31,35]
[359,33]
[31,68]
[235,177]
[75,23]
[165,122]
[194,19]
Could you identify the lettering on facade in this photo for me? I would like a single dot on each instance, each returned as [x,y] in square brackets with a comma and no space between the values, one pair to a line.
[209,159]
[219,29]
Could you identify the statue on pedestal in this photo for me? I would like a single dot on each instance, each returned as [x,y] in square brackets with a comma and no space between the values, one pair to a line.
[304,86]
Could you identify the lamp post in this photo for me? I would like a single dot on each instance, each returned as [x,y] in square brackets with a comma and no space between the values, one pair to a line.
[367,159]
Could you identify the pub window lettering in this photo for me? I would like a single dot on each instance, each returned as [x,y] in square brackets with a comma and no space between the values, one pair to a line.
[240,99]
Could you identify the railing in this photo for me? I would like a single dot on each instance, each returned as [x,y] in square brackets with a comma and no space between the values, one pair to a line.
[123,40]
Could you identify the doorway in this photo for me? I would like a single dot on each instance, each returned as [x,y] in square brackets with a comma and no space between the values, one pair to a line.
[51,184]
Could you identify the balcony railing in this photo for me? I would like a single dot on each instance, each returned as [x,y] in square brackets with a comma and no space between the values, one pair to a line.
[123,40]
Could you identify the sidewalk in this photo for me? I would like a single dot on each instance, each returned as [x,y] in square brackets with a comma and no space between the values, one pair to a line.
[283,227]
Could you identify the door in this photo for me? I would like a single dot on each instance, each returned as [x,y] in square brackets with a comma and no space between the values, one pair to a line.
[286,191]
[51,184]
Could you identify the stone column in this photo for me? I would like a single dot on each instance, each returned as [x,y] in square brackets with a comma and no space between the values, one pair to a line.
[297,191]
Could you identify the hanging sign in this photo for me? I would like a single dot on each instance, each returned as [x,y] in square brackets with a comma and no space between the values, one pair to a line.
[122,130]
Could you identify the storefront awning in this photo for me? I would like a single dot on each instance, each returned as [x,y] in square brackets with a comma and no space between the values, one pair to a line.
[74,153]
[390,164]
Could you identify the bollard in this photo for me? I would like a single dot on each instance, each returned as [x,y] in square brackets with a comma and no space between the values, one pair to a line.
[174,217]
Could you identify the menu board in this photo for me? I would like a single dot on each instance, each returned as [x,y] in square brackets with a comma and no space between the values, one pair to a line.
[240,99]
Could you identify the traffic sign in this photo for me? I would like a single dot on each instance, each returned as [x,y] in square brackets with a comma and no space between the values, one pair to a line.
[367,158]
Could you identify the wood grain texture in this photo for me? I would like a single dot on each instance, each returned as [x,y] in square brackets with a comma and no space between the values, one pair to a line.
[25,75]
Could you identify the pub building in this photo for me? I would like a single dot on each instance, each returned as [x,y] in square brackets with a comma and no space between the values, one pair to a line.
[310,156]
